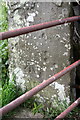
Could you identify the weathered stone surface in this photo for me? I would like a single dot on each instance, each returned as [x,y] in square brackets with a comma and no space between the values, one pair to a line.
[26,113]
[36,56]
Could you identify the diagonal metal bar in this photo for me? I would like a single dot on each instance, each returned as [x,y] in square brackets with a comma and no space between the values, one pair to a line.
[36,89]
[69,109]
[25,30]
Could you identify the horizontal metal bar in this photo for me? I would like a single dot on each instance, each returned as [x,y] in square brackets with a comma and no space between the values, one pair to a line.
[36,89]
[68,110]
[25,30]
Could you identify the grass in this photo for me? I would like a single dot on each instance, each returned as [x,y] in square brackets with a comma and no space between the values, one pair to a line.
[3,44]
[3,49]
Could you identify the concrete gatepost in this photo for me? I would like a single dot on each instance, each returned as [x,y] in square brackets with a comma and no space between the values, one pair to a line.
[36,56]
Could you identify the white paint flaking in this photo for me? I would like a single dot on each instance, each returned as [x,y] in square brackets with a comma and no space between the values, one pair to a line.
[37,6]
[65,54]
[37,12]
[57,35]
[44,69]
[35,38]
[61,90]
[68,100]
[44,63]
[19,78]
[62,41]
[56,66]
[31,16]
[27,24]
[23,1]
[51,68]
[37,76]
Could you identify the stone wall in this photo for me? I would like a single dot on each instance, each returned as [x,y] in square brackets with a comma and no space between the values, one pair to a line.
[36,56]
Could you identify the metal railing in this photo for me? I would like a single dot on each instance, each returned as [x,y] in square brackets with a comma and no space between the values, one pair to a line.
[12,105]
[69,109]
[25,30]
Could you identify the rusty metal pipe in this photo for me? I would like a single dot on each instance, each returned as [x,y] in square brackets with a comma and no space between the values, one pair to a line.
[25,30]
[69,109]
[36,89]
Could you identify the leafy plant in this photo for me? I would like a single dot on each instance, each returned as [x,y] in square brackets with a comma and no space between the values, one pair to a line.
[3,44]
[3,50]
[51,112]
[37,108]
[8,93]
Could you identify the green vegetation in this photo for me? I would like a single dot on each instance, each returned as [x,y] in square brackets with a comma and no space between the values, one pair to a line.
[10,92]
[3,49]
[52,112]
[37,108]
[3,45]
[59,106]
